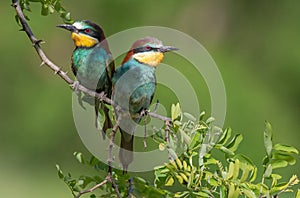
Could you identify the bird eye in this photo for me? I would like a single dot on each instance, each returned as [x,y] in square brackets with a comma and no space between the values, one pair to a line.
[87,30]
[148,48]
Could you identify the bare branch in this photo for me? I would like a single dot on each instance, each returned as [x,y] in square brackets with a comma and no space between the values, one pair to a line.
[109,179]
[92,189]
[111,145]
[114,185]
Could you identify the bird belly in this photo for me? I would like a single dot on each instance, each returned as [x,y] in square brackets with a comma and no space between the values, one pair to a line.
[89,66]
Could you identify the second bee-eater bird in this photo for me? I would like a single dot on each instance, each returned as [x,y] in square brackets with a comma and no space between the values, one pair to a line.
[133,89]
[92,62]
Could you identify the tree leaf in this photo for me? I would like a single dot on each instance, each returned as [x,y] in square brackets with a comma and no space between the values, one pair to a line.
[286,148]
[268,171]
[279,164]
[59,172]
[169,181]
[44,10]
[245,172]
[244,159]
[286,157]
[201,194]
[210,120]
[226,150]
[230,171]
[51,9]
[175,111]
[298,194]
[79,157]
[236,169]
[195,139]
[234,143]
[184,137]
[233,192]
[275,178]
[172,153]
[201,115]
[249,193]
[189,116]
[225,136]
[253,175]
[268,136]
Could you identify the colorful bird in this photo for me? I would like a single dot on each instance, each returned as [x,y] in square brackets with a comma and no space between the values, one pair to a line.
[92,62]
[133,89]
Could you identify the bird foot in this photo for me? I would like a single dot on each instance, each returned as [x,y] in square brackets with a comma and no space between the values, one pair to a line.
[144,112]
[75,86]
[79,95]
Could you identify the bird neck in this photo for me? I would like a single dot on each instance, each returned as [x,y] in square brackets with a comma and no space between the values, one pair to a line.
[147,58]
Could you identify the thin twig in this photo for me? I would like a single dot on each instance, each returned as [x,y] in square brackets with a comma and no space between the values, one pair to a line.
[111,145]
[130,189]
[114,185]
[145,132]
[92,189]
[160,117]
[167,134]
[167,130]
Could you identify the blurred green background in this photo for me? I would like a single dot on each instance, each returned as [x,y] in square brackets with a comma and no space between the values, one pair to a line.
[255,45]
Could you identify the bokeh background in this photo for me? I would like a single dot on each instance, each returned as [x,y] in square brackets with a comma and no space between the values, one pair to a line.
[255,45]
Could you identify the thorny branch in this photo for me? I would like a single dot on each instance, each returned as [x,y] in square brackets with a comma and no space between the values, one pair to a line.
[100,96]
[57,70]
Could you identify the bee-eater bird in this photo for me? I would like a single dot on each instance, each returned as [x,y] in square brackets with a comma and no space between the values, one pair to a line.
[92,62]
[134,85]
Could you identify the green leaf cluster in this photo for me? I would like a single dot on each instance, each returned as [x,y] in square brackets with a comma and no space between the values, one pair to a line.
[48,7]
[195,168]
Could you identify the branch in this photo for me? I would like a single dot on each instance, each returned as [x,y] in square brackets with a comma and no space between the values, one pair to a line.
[36,43]
[109,179]
[111,145]
[92,189]
[57,70]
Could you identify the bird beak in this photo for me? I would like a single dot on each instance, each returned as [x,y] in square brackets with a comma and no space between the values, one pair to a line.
[164,49]
[71,28]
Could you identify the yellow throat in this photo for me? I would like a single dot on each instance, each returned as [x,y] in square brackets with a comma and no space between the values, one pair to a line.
[82,40]
[149,58]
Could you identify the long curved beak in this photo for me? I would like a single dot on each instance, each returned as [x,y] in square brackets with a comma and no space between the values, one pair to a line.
[68,27]
[164,49]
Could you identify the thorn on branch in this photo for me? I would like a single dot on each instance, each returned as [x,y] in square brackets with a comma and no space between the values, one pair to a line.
[43,63]
[14,3]
[57,71]
[63,73]
[38,42]
[75,86]
[101,96]
[22,30]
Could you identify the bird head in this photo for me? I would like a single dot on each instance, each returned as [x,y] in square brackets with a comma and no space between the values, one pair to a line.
[84,33]
[148,50]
